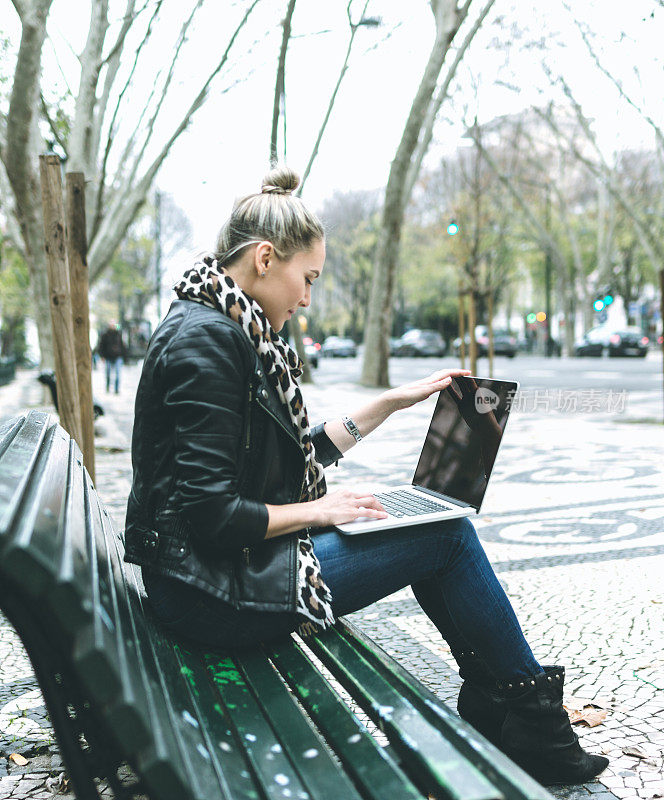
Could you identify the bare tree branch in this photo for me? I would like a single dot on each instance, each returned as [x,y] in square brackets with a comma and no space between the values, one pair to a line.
[127,21]
[52,125]
[101,182]
[80,139]
[280,86]
[22,7]
[125,205]
[448,18]
[25,90]
[10,212]
[435,105]
[330,106]
[169,77]
[659,134]
[647,237]
[542,234]
[112,62]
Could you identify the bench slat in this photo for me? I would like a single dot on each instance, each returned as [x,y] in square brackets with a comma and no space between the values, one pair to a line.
[20,444]
[68,598]
[278,778]
[303,745]
[512,781]
[375,774]
[95,649]
[30,539]
[206,726]
[165,765]
[229,757]
[434,762]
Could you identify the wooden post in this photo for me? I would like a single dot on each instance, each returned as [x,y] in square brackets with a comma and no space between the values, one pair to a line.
[79,284]
[490,329]
[462,325]
[472,316]
[661,316]
[60,297]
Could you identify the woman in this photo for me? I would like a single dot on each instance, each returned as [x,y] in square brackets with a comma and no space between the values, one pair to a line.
[229,495]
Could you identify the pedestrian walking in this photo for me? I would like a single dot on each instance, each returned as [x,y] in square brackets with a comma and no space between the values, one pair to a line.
[229,515]
[112,349]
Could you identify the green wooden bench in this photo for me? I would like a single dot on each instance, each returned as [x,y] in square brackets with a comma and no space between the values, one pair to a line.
[263,723]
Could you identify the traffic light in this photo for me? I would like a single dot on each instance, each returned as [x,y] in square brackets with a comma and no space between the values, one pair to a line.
[603,299]
[453,228]
[532,317]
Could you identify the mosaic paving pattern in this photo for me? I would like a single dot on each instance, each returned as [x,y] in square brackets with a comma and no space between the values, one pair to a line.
[573,523]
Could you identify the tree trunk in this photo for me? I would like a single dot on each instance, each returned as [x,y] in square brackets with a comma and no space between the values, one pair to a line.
[23,144]
[379,320]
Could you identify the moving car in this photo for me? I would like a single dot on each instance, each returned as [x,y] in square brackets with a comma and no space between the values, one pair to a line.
[420,342]
[613,342]
[338,347]
[504,343]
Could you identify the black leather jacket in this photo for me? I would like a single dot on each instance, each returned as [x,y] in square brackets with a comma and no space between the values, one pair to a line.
[211,445]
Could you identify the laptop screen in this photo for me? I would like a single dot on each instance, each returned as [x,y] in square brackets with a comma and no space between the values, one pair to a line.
[463,439]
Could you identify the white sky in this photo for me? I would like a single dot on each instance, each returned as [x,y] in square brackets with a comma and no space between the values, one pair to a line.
[224,152]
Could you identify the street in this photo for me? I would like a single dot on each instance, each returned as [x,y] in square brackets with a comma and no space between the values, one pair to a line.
[534,372]
[573,523]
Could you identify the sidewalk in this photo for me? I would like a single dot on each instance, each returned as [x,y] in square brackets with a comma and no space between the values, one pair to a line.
[573,523]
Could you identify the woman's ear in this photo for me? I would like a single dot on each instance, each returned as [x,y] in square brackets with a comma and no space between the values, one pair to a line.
[262,257]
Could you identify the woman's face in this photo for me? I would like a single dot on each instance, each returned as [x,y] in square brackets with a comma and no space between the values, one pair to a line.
[287,284]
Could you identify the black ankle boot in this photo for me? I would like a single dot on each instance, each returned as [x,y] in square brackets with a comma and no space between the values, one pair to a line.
[480,702]
[537,734]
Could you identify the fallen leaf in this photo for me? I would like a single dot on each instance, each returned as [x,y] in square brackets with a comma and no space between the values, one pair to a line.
[59,784]
[578,703]
[17,758]
[632,750]
[587,716]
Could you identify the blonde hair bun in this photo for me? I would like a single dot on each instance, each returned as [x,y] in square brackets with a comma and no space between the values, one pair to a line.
[280,180]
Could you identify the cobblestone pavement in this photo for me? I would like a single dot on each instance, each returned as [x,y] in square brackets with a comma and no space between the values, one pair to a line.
[573,523]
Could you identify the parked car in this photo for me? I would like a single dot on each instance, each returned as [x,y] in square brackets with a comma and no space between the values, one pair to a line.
[394,342]
[420,342]
[504,343]
[338,347]
[612,342]
[312,349]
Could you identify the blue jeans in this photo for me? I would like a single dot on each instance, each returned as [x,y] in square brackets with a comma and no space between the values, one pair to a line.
[444,563]
[113,366]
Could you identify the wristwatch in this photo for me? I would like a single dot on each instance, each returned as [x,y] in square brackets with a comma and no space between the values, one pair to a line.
[352,428]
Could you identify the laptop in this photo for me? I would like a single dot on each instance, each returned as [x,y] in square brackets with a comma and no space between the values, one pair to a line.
[456,461]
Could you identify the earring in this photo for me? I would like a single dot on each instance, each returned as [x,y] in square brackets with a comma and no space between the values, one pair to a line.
[262,274]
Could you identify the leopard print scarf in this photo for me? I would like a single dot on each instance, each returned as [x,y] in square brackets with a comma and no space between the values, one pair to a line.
[208,283]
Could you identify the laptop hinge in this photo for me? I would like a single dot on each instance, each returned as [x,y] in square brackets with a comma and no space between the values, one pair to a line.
[445,497]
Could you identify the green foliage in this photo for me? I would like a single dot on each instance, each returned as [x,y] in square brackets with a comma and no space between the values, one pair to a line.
[128,285]
[14,301]
[340,301]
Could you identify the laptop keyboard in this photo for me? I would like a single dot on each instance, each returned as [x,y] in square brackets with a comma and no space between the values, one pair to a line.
[402,503]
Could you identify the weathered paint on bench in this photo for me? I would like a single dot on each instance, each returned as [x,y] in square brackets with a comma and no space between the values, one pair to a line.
[256,723]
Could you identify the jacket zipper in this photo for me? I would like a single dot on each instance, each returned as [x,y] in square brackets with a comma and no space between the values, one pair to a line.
[247,438]
[246,552]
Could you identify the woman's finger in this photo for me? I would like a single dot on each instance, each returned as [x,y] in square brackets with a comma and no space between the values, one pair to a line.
[363,511]
[369,501]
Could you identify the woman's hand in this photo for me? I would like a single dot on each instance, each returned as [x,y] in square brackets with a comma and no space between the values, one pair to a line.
[345,505]
[410,393]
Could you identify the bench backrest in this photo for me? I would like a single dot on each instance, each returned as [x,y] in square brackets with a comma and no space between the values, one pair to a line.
[265,722]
